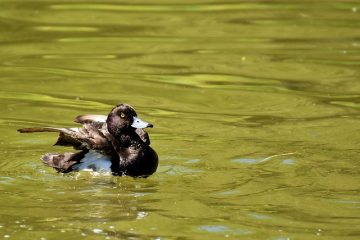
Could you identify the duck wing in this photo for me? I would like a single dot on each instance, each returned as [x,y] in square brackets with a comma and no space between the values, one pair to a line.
[63,162]
[90,118]
[67,136]
[89,137]
[101,119]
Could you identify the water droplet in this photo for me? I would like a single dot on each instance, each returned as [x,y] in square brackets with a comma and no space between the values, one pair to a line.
[288,161]
[97,230]
[245,161]
[141,215]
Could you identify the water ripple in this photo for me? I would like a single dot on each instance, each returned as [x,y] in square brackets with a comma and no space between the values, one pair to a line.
[163,7]
[65,29]
[52,100]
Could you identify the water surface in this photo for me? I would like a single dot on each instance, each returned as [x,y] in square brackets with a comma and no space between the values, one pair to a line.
[255,106]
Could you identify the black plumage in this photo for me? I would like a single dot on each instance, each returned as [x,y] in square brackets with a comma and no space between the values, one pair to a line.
[118,138]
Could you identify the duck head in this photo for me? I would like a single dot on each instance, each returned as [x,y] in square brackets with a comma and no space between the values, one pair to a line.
[122,118]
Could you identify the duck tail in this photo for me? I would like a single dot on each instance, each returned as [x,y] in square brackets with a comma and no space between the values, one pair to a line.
[63,162]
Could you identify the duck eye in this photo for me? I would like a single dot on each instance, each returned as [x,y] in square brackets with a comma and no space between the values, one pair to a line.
[122,115]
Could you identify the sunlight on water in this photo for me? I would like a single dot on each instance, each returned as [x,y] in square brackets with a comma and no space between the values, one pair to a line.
[255,107]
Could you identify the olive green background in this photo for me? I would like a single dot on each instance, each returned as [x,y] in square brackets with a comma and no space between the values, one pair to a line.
[255,106]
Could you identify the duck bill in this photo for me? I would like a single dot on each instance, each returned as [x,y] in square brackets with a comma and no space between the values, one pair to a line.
[138,123]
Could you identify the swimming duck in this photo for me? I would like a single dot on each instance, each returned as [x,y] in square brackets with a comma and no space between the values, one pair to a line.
[116,143]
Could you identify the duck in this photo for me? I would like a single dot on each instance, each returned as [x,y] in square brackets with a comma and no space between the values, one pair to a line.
[116,143]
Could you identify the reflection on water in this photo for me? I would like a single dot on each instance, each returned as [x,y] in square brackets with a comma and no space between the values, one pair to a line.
[255,107]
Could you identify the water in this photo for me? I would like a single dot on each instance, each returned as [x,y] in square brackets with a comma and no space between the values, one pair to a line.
[255,106]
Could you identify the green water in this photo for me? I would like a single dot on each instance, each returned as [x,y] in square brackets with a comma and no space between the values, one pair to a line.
[255,106]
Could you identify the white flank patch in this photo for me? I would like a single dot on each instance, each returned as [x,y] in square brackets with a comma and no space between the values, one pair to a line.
[94,161]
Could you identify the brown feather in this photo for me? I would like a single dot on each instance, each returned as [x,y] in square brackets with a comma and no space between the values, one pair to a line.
[143,135]
[63,162]
[39,129]
[65,140]
[90,118]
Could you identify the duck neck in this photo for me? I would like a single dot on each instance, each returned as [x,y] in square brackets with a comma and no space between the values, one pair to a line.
[121,134]
[125,137]
[113,129]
